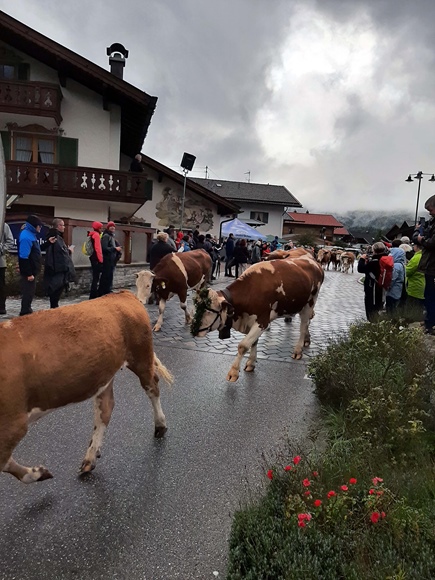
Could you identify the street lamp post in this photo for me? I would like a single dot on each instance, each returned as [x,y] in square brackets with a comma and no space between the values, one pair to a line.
[419,176]
[187,164]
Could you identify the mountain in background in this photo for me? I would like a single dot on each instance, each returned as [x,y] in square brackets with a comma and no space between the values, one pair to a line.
[372,224]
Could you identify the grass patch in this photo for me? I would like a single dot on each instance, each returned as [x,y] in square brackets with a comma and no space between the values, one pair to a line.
[360,505]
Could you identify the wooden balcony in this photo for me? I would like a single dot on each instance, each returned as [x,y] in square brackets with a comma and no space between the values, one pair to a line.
[77,182]
[31,98]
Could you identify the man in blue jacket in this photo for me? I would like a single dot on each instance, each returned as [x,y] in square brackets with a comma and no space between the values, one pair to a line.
[29,261]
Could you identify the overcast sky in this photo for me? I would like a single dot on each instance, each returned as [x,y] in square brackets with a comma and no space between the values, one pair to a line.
[335,99]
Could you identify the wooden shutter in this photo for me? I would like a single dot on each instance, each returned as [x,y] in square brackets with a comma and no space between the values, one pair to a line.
[23,72]
[67,152]
[148,189]
[6,139]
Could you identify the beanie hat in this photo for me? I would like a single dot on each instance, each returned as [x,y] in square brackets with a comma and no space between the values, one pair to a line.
[97,225]
[111,225]
[34,221]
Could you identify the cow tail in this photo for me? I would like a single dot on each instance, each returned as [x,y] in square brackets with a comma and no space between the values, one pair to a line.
[162,371]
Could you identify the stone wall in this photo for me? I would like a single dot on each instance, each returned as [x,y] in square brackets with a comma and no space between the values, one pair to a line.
[125,276]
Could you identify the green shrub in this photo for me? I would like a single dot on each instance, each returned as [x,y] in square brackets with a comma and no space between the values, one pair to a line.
[381,377]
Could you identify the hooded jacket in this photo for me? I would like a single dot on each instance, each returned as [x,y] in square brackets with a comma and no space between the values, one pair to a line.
[427,262]
[414,279]
[398,279]
[29,252]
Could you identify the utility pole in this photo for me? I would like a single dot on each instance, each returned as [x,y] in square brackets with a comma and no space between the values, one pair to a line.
[206,171]
[248,179]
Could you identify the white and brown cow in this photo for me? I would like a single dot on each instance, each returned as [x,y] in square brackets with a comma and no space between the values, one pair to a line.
[264,292]
[54,358]
[324,258]
[174,274]
[347,260]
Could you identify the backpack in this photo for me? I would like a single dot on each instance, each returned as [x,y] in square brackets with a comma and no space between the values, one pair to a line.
[386,265]
[88,247]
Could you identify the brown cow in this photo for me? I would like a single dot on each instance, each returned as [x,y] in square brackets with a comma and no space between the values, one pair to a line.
[174,274]
[324,258]
[56,357]
[264,292]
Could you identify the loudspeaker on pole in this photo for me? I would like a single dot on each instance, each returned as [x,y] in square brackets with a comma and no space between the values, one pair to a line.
[188,161]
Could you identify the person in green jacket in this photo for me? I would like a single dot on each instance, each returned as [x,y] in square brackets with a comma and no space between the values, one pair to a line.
[415,281]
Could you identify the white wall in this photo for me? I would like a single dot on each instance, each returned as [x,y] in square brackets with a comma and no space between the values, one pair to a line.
[98,131]
[276,217]
[148,211]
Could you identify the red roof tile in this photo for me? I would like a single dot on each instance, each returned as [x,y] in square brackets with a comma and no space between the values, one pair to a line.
[314,219]
[341,232]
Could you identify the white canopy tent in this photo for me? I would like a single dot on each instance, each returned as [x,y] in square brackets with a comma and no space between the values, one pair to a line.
[240,230]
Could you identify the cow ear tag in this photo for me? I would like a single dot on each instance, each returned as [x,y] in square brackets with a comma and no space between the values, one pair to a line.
[163,285]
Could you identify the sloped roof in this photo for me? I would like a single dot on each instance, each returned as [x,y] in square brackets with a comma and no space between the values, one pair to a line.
[224,206]
[341,232]
[240,191]
[315,219]
[137,107]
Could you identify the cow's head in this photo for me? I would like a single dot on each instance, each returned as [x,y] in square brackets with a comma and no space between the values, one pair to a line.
[144,282]
[212,312]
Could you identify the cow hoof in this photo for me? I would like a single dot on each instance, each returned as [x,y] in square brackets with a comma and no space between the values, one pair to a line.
[307,343]
[287,319]
[249,368]
[297,355]
[156,328]
[232,378]
[160,431]
[87,466]
[40,473]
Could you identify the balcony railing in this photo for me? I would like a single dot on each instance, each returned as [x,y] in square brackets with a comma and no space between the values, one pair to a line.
[77,182]
[31,98]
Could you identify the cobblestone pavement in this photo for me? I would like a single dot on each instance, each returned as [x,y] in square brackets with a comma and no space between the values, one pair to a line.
[340,303]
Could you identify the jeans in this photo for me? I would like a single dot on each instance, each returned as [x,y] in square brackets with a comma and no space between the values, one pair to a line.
[55,296]
[106,280]
[28,293]
[97,268]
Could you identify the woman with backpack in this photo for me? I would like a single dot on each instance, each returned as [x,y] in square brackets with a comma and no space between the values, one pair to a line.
[373,290]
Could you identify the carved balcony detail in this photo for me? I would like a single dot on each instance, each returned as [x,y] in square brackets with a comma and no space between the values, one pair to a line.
[31,98]
[77,182]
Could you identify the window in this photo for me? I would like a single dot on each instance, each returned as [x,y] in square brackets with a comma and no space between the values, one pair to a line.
[261,216]
[8,72]
[34,149]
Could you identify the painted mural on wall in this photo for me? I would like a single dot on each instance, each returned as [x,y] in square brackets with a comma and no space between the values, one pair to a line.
[196,213]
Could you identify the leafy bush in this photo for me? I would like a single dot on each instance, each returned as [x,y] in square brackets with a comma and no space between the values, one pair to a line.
[303,528]
[363,506]
[382,378]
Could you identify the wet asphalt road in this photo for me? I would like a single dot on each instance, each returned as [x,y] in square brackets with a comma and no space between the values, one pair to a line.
[161,509]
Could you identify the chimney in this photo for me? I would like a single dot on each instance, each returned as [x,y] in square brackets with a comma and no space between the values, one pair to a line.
[117,54]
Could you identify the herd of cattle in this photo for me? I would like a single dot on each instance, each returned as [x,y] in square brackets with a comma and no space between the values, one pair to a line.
[53,358]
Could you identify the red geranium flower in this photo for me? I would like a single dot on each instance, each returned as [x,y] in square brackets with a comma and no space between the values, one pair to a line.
[375,517]
[377,480]
[315,473]
[306,517]
[317,503]
[371,491]
[288,468]
[301,524]
[306,482]
[296,459]
[270,474]
[352,480]
[331,494]
[307,493]
[383,514]
[344,488]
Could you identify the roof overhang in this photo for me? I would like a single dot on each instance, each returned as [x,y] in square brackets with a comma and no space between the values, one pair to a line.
[224,206]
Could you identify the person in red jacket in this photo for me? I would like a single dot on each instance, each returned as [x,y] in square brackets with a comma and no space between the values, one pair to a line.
[96,258]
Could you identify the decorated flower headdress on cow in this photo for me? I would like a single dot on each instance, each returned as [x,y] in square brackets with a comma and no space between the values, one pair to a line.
[202,302]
